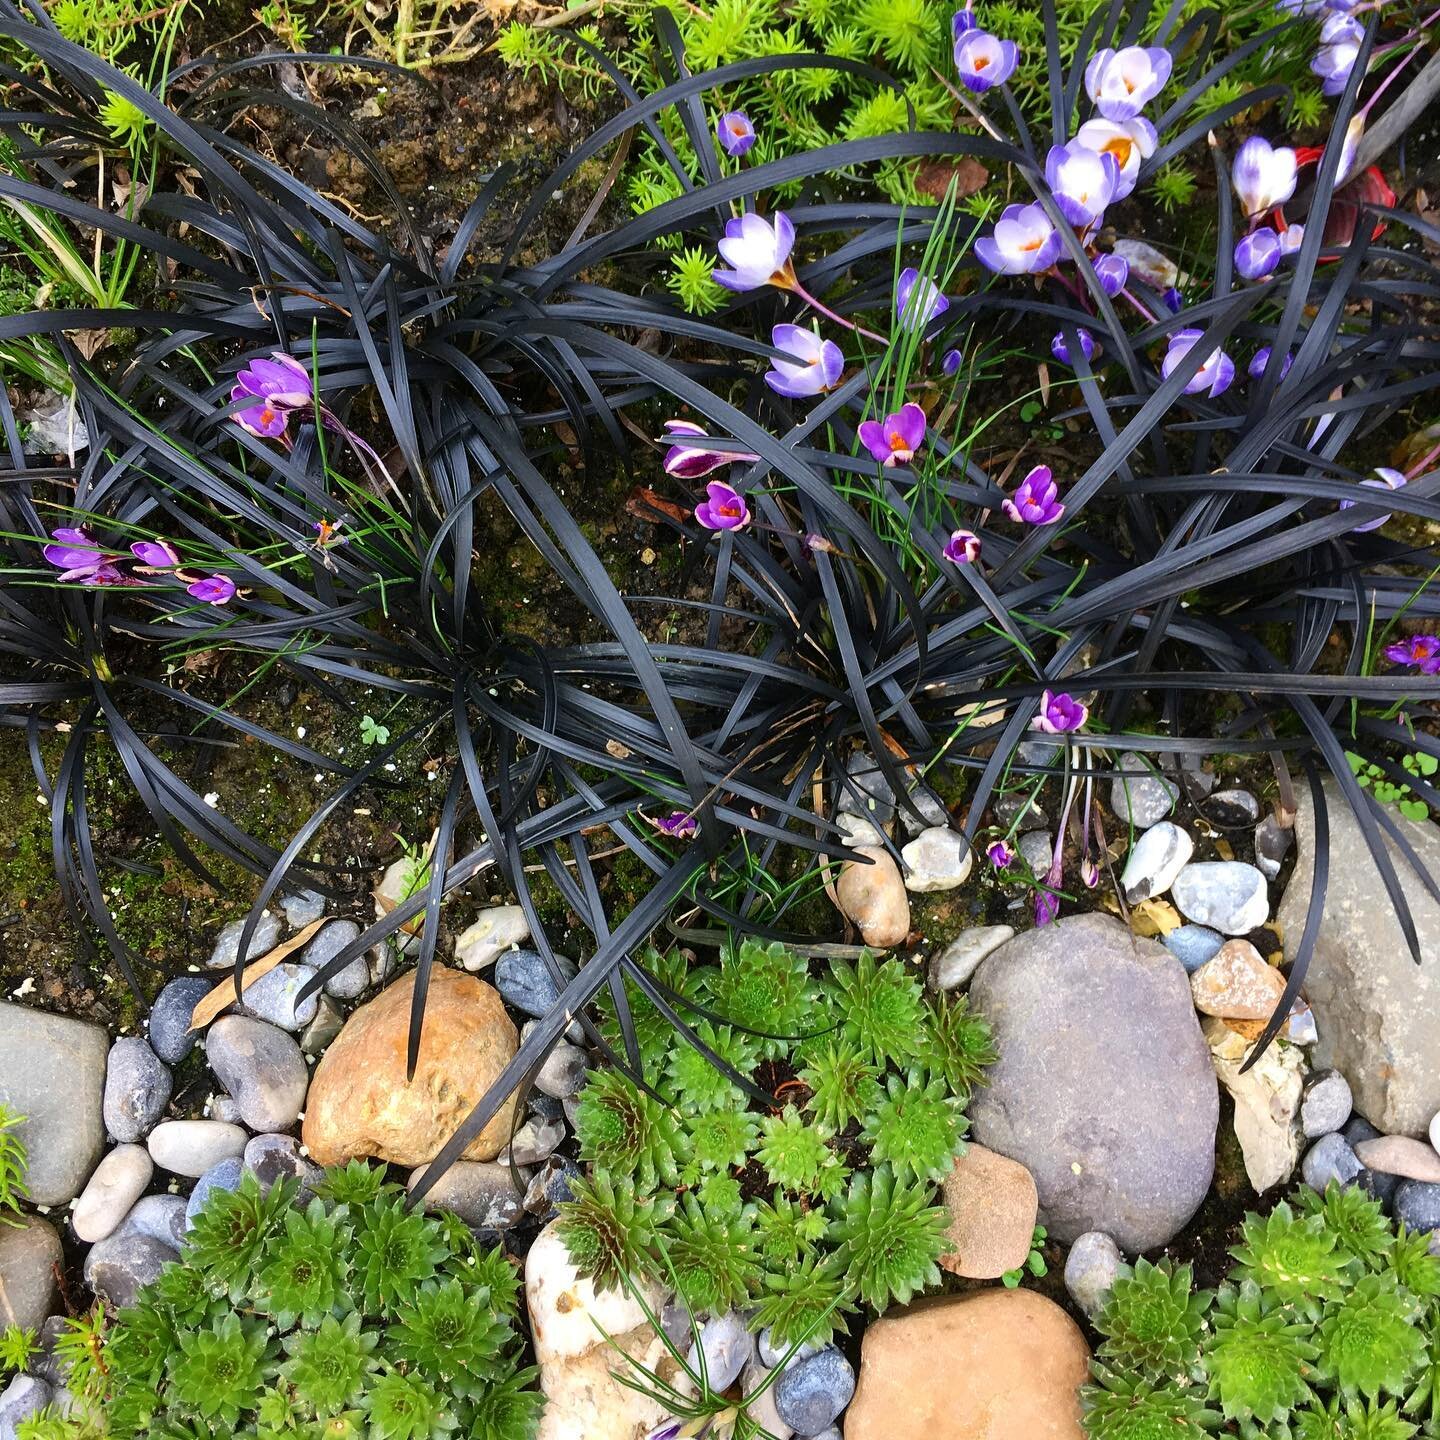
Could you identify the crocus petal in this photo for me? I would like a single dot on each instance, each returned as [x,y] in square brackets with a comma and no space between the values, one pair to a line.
[1263,176]
[157,554]
[1257,254]
[735,133]
[212,590]
[1123,82]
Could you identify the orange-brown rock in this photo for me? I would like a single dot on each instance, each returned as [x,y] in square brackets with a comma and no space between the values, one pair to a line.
[360,1104]
[997,1365]
[992,1203]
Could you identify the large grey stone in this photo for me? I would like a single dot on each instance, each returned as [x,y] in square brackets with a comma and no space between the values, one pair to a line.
[116,1269]
[52,1071]
[1378,1012]
[262,1068]
[349,982]
[29,1253]
[1104,1087]
[481,1192]
[265,937]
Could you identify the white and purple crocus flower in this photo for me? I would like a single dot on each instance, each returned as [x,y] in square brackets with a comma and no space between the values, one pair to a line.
[1264,175]
[268,391]
[757,251]
[1214,377]
[894,440]
[1340,39]
[690,455]
[810,365]
[962,548]
[1123,82]
[1385,479]
[1024,242]
[1036,499]
[735,133]
[983,61]
[1060,347]
[1083,182]
[918,300]
[1112,271]
[1257,254]
[1128,141]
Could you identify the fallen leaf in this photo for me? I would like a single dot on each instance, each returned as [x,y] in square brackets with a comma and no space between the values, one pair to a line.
[969,175]
[643,502]
[1224,849]
[1154,917]
[223,995]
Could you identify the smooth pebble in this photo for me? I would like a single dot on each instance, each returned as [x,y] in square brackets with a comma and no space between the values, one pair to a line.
[137,1090]
[1193,945]
[1327,1103]
[493,932]
[191,1147]
[262,1068]
[275,997]
[1158,856]
[1227,895]
[811,1393]
[953,966]
[1091,1267]
[118,1182]
[224,1176]
[117,1267]
[1330,1158]
[171,1037]
[1139,796]
[227,944]
[352,979]
[936,859]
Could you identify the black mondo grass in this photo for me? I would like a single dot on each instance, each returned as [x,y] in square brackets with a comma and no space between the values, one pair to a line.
[1203,551]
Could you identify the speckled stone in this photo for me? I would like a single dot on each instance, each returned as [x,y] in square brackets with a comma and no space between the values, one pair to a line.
[1227,895]
[137,1090]
[118,1267]
[30,1251]
[170,1035]
[279,1157]
[161,1217]
[953,966]
[262,1068]
[1327,1103]
[275,997]
[227,943]
[351,981]
[1330,1158]
[1139,796]
[302,909]
[1091,1268]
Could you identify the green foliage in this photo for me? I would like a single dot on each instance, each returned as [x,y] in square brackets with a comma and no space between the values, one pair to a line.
[1174,186]
[16,1348]
[608,1232]
[843,1084]
[917,1130]
[1327,1328]
[697,1083]
[12,1165]
[710,1257]
[349,1318]
[882,1011]
[955,1044]
[803,1303]
[689,281]
[765,990]
[629,1133]
[796,1157]
[889,1237]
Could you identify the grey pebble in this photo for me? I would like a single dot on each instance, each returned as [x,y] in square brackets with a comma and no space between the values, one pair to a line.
[1036,848]
[352,980]
[30,1258]
[170,1035]
[1140,796]
[1272,845]
[191,1147]
[275,997]
[1330,1158]
[727,1346]
[1227,895]
[277,1157]
[869,793]
[811,1393]
[328,1022]
[223,1107]
[224,1176]
[1326,1105]
[550,1186]
[1231,809]
[481,1192]
[1018,811]
[1193,945]
[22,1398]
[227,943]
[524,980]
[161,1217]
[534,1141]
[563,1072]
[302,909]
[1091,1267]
[771,1355]
[1417,1206]
[137,1090]
[262,1068]
[116,1269]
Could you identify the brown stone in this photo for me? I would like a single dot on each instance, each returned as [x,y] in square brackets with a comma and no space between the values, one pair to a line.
[1400,1155]
[873,897]
[360,1104]
[996,1365]
[993,1203]
[1237,984]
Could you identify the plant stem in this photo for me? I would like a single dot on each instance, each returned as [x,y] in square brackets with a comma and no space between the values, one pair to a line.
[825,310]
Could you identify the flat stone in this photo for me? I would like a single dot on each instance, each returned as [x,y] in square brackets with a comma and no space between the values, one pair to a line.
[1140,795]
[993,1203]
[1226,895]
[52,1072]
[481,1192]
[937,859]
[118,1268]
[952,967]
[302,909]
[1037,849]
[1417,1206]
[271,1158]
[727,1346]
[563,1072]
[25,1396]
[360,1104]
[872,897]
[137,1090]
[351,980]
[495,930]
[262,1068]
[549,1187]
[275,997]
[533,1142]
[227,1175]
[873,795]
[755,1381]
[171,1037]
[118,1182]
[227,943]
[1402,1156]
[161,1217]
[1104,1088]
[1330,1158]
[811,1393]
[524,980]
[932,812]
[1091,1269]
[995,1365]
[1326,1104]
[1267,1104]
[1230,809]
[191,1147]
[1272,845]
[1378,1012]
[1193,945]
[328,1022]
[30,1253]
[1237,984]
[1158,856]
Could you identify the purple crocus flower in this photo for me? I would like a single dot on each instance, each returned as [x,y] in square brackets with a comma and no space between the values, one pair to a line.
[1386,479]
[282,380]
[1214,377]
[894,440]
[1060,713]
[1261,359]
[724,509]
[1264,175]
[678,825]
[1061,350]
[262,418]
[1024,242]
[212,590]
[1123,82]
[735,133]
[950,363]
[1257,254]
[668,1431]
[918,300]
[757,251]
[155,554]
[1128,141]
[1340,38]
[812,367]
[1174,300]
[961,23]
[79,558]
[1420,652]
[983,61]
[689,457]
[1047,907]
[1083,182]
[1113,271]
[962,548]
[1035,501]
[1000,855]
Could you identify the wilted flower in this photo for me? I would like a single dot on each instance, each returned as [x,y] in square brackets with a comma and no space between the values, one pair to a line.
[1257,254]
[1112,271]
[1264,175]
[1421,652]
[1256,367]
[670,1430]
[1024,242]
[689,457]
[1215,376]
[156,554]
[678,825]
[918,300]
[1000,855]
[983,61]
[950,363]
[962,548]
[1060,713]
[1082,181]
[1047,907]
[1149,264]
[813,366]
[1340,38]
[80,559]
[1061,350]
[1123,82]
[212,590]
[757,251]
[735,133]
[724,509]
[1386,479]
[1035,501]
[894,440]
[1128,141]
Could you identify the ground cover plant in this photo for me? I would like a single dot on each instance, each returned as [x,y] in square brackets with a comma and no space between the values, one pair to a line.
[316,420]
[1327,1325]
